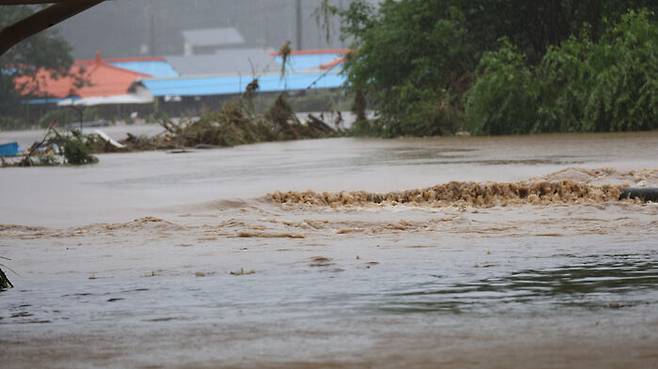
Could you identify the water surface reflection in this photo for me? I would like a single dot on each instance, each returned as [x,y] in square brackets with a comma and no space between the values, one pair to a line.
[611,281]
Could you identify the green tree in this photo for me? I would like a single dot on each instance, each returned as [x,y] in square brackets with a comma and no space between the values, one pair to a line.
[410,57]
[605,85]
[583,85]
[504,97]
[46,50]
[415,59]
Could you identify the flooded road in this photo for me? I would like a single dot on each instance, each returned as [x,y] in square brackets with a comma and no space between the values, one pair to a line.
[127,186]
[154,260]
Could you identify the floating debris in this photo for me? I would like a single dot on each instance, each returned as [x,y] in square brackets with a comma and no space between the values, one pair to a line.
[251,234]
[320,261]
[56,149]
[234,124]
[243,272]
[4,281]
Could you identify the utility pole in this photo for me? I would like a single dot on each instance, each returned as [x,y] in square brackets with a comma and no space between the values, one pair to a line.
[300,24]
[150,13]
[341,7]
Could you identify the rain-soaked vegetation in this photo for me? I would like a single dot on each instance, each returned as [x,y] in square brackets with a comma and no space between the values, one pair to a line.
[500,67]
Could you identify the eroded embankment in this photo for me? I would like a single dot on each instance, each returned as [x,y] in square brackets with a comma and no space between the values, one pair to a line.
[463,193]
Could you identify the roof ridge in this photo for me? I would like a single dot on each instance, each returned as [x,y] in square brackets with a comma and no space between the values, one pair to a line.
[109,65]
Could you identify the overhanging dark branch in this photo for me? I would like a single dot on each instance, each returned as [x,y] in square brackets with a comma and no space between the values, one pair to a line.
[60,11]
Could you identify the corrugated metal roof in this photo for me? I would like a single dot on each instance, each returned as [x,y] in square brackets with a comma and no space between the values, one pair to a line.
[156,69]
[241,61]
[213,37]
[233,61]
[233,85]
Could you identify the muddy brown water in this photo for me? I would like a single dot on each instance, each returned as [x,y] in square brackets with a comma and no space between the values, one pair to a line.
[153,260]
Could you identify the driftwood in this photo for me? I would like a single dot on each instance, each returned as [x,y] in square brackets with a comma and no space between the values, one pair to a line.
[318,124]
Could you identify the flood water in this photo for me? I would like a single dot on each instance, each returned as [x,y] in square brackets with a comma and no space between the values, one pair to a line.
[153,260]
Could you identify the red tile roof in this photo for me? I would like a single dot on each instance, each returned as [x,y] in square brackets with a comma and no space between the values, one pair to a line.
[101,79]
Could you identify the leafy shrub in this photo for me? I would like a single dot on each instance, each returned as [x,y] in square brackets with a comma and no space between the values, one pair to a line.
[504,97]
[609,85]
[77,152]
[412,57]
[580,86]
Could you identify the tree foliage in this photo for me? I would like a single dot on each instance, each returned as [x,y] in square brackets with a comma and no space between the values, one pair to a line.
[504,97]
[580,86]
[409,57]
[416,59]
[46,50]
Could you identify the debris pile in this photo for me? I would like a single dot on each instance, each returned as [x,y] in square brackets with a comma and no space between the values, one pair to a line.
[463,193]
[4,281]
[56,149]
[235,124]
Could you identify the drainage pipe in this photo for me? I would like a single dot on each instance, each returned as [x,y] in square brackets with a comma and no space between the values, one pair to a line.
[642,194]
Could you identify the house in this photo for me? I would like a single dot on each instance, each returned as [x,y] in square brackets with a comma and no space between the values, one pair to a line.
[90,82]
[243,61]
[210,40]
[183,84]
[156,67]
[226,73]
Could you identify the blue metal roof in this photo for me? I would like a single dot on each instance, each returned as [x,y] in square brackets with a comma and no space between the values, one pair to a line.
[234,85]
[157,69]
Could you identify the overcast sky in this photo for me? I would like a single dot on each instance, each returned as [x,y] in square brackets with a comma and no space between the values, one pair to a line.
[128,27]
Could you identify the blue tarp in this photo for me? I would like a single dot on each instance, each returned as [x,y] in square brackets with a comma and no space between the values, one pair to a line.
[10,149]
[234,85]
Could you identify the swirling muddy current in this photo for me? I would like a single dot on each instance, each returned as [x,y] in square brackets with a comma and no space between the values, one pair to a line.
[176,263]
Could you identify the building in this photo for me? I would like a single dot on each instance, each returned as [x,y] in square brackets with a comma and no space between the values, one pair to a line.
[182,85]
[226,74]
[90,83]
[211,40]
